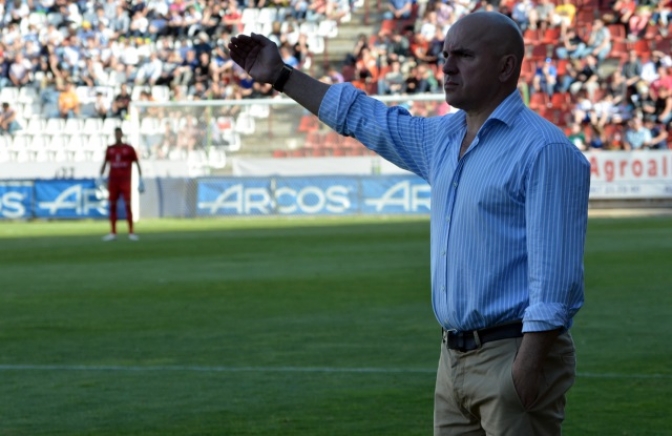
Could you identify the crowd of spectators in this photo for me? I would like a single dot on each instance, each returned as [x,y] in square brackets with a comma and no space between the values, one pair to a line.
[600,70]
[90,58]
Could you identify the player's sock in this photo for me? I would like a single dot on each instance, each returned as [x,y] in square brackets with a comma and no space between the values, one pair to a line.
[129,218]
[113,218]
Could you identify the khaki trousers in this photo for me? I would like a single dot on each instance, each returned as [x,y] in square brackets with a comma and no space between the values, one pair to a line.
[475,394]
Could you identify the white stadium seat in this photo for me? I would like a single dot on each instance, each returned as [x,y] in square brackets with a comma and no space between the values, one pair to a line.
[92,126]
[54,125]
[37,149]
[328,29]
[28,94]
[18,148]
[72,125]
[9,94]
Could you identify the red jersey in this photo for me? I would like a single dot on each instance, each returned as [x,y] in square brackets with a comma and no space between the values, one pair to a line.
[121,158]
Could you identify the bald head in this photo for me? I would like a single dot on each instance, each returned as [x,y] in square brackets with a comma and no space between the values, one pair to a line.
[483,55]
[499,32]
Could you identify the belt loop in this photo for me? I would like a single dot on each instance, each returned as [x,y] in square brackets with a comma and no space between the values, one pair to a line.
[477,339]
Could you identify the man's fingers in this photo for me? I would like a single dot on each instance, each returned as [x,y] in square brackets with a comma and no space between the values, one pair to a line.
[240,60]
[259,39]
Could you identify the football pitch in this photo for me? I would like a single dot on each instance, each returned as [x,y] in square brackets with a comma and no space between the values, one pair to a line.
[291,327]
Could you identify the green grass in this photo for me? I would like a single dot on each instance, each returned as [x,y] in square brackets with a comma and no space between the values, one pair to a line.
[290,327]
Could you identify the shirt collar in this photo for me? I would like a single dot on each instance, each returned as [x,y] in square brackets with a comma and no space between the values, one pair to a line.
[508,109]
[506,112]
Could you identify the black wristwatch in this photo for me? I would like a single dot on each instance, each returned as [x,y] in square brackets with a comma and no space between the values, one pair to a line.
[280,82]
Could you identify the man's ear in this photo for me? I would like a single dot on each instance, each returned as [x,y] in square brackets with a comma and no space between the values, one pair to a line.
[507,67]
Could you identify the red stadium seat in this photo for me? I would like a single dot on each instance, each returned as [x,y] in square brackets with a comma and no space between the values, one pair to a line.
[619,50]
[642,47]
[617,32]
[560,100]
[332,140]
[652,32]
[308,123]
[559,117]
[314,139]
[584,16]
[527,69]
[539,52]
[299,152]
[389,26]
[538,101]
[664,45]
[532,36]
[561,66]
[551,35]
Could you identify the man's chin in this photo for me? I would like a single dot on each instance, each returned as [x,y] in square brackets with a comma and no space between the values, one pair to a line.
[453,100]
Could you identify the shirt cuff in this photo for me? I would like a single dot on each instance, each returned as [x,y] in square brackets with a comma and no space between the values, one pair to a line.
[544,317]
[329,111]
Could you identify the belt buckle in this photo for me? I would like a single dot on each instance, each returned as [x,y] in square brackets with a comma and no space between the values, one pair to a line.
[477,339]
[461,340]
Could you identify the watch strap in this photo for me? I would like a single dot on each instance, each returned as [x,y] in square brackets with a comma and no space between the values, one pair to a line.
[280,82]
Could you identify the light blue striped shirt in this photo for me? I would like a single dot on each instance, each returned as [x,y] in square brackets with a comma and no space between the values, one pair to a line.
[508,219]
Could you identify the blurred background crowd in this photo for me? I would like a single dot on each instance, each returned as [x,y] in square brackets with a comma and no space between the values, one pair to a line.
[598,69]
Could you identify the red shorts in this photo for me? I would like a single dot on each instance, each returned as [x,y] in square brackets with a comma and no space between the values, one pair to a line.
[116,189]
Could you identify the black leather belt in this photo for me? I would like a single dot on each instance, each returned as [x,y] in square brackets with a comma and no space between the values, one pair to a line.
[473,339]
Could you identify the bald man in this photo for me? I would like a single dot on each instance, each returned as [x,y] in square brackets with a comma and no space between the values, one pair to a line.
[508,223]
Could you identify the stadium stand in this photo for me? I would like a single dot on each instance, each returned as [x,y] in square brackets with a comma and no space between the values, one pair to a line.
[69,69]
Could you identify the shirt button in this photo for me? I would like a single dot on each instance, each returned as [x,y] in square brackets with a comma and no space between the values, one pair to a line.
[448,219]
[443,253]
[455,184]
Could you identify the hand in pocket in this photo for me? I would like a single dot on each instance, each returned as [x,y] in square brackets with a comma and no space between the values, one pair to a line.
[527,383]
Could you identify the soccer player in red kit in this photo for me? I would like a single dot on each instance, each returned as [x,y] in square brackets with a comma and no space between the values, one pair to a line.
[120,156]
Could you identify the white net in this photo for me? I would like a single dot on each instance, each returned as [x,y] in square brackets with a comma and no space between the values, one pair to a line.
[208,131]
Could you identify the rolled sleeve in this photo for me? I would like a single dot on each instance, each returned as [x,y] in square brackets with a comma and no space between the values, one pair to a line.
[558,184]
[392,132]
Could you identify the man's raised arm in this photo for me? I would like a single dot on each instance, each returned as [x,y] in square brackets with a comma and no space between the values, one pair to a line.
[259,56]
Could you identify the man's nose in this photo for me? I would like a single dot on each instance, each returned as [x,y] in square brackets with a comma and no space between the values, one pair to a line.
[449,66]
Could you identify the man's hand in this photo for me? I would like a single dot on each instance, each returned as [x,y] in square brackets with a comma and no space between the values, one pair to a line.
[527,370]
[527,381]
[100,182]
[258,55]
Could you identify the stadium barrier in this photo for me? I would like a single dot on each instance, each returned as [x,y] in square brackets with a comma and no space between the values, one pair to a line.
[377,189]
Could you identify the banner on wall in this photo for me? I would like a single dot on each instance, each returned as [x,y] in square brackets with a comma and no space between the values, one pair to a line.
[313,196]
[16,200]
[68,199]
[630,175]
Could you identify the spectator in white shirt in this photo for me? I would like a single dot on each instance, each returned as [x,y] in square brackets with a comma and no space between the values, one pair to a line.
[139,25]
[429,26]
[637,137]
[650,69]
[150,71]
[16,11]
[19,71]
[71,55]
[129,54]
[51,35]
[521,13]
[11,35]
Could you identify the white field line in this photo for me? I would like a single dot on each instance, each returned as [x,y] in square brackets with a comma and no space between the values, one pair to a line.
[271,369]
